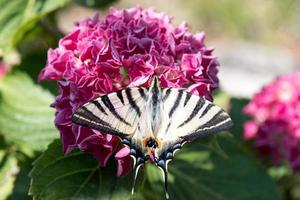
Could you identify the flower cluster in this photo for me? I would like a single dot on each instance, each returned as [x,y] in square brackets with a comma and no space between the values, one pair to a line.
[275,124]
[125,49]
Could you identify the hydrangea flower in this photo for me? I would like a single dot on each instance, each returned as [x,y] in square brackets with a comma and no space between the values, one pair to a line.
[4,68]
[275,124]
[125,49]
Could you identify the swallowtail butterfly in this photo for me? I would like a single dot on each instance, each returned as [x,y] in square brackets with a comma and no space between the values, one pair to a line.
[153,122]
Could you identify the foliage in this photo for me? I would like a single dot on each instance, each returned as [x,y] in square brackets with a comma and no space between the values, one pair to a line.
[102,4]
[198,172]
[78,173]
[195,168]
[19,16]
[8,170]
[26,119]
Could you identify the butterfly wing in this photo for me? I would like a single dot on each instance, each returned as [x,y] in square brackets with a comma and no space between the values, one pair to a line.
[186,117]
[117,113]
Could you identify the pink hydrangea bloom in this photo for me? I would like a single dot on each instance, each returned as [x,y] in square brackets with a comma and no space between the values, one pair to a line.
[125,49]
[275,124]
[4,68]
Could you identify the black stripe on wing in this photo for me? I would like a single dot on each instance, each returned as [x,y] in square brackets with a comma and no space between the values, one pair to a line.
[195,111]
[84,112]
[219,122]
[165,97]
[132,102]
[86,118]
[98,105]
[142,93]
[120,96]
[187,98]
[207,109]
[105,99]
[176,103]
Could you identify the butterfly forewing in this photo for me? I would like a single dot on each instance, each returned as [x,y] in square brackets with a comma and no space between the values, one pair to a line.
[187,116]
[117,113]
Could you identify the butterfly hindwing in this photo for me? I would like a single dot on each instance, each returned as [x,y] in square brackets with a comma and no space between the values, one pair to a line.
[188,117]
[116,113]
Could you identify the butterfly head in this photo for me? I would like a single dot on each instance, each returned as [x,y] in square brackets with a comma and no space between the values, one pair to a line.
[151,144]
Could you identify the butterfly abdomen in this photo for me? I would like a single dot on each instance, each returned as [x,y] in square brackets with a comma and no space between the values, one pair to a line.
[153,106]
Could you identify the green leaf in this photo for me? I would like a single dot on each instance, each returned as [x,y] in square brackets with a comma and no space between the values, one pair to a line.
[198,173]
[95,3]
[237,116]
[222,99]
[76,176]
[8,171]
[19,16]
[215,146]
[26,119]
[22,182]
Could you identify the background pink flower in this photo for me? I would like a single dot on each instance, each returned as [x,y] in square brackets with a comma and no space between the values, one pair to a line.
[125,49]
[275,124]
[4,68]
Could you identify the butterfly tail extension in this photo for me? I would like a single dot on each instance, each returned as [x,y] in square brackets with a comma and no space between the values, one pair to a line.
[162,165]
[138,160]
[135,173]
[164,159]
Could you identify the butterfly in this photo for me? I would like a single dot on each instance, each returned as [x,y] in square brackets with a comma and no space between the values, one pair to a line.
[153,122]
